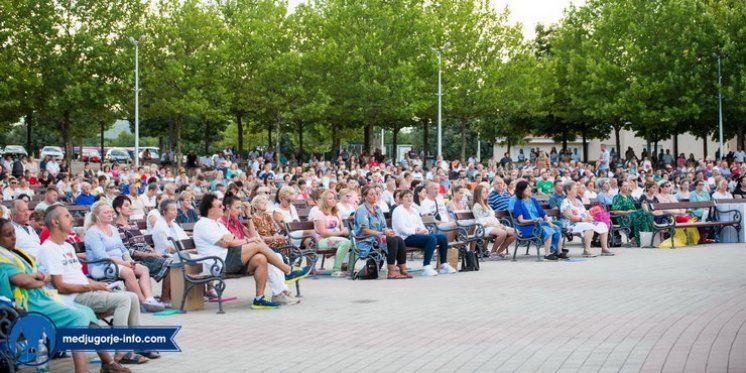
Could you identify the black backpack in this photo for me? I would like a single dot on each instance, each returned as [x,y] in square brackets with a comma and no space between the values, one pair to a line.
[368,272]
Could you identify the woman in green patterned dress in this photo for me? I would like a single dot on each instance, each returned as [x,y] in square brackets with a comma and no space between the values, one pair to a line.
[625,214]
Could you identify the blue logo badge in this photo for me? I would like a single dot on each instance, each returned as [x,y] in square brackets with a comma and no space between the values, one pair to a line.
[31,340]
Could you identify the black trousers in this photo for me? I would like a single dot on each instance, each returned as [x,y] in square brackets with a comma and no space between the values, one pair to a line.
[397,250]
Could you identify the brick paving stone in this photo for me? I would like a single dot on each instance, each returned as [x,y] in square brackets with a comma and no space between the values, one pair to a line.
[641,310]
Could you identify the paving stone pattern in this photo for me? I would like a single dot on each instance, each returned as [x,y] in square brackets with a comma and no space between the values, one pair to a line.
[648,310]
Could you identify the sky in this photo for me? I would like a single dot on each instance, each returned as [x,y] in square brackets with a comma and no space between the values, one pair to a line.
[527,12]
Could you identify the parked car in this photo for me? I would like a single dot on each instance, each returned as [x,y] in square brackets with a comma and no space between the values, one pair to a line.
[91,155]
[54,151]
[155,153]
[119,155]
[14,150]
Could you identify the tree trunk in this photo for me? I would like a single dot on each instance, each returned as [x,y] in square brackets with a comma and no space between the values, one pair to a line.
[335,142]
[279,143]
[585,146]
[207,137]
[29,124]
[171,136]
[269,136]
[239,128]
[368,134]
[67,138]
[564,140]
[394,143]
[463,141]
[509,145]
[177,138]
[704,147]
[100,165]
[425,136]
[675,146]
[740,140]
[617,129]
[300,137]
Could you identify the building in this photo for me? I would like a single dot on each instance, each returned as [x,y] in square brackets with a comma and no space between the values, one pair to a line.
[687,144]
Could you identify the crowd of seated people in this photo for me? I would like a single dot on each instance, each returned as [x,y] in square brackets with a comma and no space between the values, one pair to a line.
[239,212]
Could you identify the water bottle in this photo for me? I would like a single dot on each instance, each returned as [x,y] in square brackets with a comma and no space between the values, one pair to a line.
[42,355]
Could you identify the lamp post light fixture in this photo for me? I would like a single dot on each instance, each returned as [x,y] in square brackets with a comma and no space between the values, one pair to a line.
[136,43]
[439,52]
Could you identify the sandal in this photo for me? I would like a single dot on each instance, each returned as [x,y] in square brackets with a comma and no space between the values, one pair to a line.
[394,275]
[589,255]
[405,274]
[150,354]
[133,358]
[607,253]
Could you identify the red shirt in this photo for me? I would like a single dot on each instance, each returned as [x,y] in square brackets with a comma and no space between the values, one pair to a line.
[234,226]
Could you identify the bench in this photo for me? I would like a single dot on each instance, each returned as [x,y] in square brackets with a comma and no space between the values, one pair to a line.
[670,224]
[475,233]
[111,271]
[215,270]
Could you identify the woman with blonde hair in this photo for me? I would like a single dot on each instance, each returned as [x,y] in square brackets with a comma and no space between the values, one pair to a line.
[485,215]
[348,202]
[285,212]
[102,241]
[264,223]
[330,232]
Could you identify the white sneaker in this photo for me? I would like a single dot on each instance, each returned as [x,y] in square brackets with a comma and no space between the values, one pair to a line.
[285,298]
[429,271]
[446,269]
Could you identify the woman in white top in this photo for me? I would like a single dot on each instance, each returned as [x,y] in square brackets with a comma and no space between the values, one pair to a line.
[167,228]
[485,215]
[330,232]
[285,212]
[580,221]
[348,202]
[683,193]
[720,193]
[408,225]
[23,188]
[458,201]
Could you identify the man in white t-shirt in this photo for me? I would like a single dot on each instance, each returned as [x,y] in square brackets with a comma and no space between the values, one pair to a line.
[240,256]
[148,199]
[26,237]
[53,167]
[58,259]
[433,205]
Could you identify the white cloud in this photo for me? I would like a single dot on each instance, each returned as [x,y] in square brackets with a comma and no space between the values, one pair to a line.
[527,12]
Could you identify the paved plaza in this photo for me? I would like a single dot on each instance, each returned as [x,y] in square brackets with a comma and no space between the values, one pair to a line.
[649,310]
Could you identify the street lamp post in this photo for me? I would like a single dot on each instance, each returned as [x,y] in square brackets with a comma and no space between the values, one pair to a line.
[439,52]
[720,108]
[137,99]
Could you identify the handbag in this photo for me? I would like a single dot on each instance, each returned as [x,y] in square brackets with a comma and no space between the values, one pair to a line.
[368,272]
[469,261]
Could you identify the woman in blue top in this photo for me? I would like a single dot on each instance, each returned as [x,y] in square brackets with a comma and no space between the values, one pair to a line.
[528,211]
[102,241]
[369,220]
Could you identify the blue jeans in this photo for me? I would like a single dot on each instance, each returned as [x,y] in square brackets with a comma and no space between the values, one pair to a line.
[428,242]
[555,233]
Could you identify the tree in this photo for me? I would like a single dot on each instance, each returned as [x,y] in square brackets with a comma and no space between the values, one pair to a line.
[182,66]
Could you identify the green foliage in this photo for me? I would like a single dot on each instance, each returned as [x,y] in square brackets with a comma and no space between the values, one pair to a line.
[251,73]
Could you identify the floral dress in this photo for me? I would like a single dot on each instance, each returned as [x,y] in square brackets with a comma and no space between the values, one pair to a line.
[266,228]
[369,219]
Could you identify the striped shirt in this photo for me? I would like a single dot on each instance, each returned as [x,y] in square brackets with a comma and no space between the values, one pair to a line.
[498,201]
